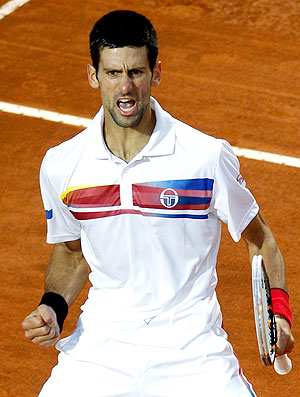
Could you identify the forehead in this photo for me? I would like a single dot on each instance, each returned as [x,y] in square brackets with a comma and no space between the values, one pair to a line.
[130,57]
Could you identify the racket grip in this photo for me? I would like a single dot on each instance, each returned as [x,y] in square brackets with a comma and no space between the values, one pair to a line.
[282,364]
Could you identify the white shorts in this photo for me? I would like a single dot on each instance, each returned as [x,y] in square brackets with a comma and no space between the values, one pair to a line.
[124,369]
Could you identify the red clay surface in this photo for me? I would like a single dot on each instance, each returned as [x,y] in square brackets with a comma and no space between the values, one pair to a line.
[231,69]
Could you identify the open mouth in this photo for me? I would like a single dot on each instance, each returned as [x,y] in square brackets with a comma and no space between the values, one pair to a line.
[127,106]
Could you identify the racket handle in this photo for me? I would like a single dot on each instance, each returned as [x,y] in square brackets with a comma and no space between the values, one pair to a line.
[282,364]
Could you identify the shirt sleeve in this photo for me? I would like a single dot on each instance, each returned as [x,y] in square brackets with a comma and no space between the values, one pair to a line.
[232,202]
[61,225]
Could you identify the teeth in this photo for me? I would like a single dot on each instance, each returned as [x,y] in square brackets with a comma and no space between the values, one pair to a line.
[127,109]
[126,104]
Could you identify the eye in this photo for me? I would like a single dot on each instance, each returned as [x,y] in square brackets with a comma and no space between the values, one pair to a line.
[112,73]
[135,72]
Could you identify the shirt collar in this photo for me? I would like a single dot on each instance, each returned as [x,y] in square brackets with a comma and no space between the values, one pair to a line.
[161,142]
[98,146]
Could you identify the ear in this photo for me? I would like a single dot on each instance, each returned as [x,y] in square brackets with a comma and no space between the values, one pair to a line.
[156,78]
[92,76]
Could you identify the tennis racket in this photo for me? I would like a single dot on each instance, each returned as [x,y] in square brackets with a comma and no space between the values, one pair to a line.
[265,319]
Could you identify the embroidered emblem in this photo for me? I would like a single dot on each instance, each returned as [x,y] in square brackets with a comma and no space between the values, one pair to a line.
[49,214]
[169,198]
[241,180]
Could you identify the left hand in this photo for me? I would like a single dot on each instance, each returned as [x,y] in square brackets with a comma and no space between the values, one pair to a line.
[285,339]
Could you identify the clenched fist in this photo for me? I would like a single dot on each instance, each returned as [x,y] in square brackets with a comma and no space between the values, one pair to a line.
[41,326]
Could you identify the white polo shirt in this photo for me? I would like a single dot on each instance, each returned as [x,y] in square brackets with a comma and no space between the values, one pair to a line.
[150,229]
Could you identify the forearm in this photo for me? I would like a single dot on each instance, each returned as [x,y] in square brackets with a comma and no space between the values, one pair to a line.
[67,271]
[274,263]
[66,274]
[260,241]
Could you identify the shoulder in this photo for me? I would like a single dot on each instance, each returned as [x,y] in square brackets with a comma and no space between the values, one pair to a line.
[66,149]
[185,132]
[71,150]
[64,157]
[197,141]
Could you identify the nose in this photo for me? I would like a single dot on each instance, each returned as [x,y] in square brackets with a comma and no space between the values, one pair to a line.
[125,83]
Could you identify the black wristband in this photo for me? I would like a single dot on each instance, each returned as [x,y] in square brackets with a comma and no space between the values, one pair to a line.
[58,304]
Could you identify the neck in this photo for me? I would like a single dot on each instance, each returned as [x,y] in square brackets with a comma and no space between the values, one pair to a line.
[126,143]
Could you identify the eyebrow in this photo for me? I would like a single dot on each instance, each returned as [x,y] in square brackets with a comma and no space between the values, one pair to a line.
[118,69]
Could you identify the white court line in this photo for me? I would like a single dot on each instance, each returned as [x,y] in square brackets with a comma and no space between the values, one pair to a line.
[44,114]
[268,157]
[10,7]
[84,122]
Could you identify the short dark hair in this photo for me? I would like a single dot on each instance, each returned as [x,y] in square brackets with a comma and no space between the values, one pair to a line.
[123,28]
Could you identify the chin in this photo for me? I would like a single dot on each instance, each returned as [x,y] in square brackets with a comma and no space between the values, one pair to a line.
[129,122]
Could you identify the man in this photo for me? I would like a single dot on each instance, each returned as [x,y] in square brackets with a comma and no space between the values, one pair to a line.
[137,200]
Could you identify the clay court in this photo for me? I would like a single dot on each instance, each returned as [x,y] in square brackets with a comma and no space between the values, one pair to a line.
[230,69]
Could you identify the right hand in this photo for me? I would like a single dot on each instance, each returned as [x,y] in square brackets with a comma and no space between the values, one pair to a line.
[41,326]
[285,339]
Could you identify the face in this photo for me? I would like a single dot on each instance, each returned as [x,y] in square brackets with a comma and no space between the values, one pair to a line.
[125,82]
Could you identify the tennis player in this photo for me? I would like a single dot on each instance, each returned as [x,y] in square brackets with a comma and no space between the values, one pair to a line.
[136,202]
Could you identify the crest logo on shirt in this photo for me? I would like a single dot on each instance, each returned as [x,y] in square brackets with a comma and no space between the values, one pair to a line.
[169,198]
[241,180]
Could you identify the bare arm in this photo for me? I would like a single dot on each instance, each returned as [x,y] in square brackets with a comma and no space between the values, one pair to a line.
[67,270]
[66,275]
[260,241]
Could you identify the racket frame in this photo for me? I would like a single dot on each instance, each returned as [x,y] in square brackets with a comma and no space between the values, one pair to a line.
[263,312]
